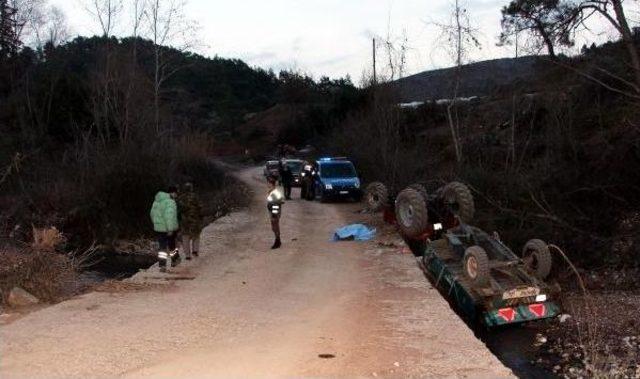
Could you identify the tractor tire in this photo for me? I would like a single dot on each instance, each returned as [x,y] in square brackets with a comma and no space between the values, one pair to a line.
[376,196]
[459,198]
[476,266]
[417,247]
[411,213]
[422,190]
[537,258]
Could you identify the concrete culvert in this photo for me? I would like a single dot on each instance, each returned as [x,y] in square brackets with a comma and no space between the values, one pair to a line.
[411,213]
[537,258]
[376,196]
[476,265]
[459,198]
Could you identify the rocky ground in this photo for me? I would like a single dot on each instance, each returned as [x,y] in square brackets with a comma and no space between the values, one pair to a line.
[599,336]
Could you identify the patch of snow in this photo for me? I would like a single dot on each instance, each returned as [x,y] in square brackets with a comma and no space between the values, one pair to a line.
[413,104]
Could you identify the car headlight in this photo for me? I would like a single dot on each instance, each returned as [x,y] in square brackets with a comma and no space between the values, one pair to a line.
[328,186]
[357,183]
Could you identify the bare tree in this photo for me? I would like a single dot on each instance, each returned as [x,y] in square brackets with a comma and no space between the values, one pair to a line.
[168,26]
[52,29]
[28,14]
[106,12]
[461,38]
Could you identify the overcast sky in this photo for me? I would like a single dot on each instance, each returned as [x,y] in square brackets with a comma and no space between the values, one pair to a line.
[327,37]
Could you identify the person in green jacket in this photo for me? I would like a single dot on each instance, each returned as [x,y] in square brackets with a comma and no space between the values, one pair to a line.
[191,220]
[164,215]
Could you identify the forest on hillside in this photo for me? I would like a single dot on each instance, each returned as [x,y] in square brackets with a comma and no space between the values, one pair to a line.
[93,126]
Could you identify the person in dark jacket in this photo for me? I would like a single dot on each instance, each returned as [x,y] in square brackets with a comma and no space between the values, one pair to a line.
[286,176]
[191,220]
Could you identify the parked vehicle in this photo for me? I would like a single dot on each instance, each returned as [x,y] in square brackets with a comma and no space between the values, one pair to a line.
[336,178]
[296,166]
[272,169]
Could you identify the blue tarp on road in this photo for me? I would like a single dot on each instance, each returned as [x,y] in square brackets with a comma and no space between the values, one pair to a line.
[355,232]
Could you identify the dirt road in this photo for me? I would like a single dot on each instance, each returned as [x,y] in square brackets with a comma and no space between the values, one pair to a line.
[242,310]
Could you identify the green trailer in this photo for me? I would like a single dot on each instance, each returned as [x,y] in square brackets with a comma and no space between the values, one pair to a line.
[486,281]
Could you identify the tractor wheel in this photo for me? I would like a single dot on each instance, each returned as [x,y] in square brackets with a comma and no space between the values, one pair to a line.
[377,196]
[417,247]
[476,265]
[422,190]
[537,258]
[411,213]
[460,200]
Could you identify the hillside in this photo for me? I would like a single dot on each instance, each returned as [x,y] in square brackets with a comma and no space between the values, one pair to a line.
[478,79]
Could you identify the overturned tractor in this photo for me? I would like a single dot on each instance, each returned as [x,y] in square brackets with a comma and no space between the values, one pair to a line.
[475,270]
[420,216]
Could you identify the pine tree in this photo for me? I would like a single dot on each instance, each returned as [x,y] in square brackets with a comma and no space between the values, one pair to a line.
[8,42]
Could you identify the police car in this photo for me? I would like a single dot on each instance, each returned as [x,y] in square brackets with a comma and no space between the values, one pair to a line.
[336,178]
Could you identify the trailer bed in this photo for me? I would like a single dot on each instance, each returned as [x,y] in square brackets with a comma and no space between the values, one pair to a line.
[483,304]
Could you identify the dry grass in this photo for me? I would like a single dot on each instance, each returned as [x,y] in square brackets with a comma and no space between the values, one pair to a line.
[47,239]
[46,274]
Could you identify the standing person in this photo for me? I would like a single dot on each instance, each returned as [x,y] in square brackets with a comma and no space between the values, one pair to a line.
[191,220]
[274,205]
[164,215]
[286,176]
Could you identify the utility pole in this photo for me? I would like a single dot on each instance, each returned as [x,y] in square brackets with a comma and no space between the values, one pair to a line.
[375,79]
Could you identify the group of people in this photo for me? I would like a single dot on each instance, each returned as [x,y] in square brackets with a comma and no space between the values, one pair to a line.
[177,216]
[177,213]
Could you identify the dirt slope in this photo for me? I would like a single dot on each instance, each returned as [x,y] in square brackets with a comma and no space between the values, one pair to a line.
[251,312]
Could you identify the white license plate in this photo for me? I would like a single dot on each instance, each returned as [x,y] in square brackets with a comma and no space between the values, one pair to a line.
[344,192]
[520,292]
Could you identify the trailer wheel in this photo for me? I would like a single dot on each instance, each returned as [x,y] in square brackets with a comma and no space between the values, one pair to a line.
[476,265]
[411,213]
[377,196]
[460,200]
[537,258]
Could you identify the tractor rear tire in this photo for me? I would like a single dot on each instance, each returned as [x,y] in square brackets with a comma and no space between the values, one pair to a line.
[377,196]
[476,265]
[459,198]
[537,258]
[411,213]
[422,190]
